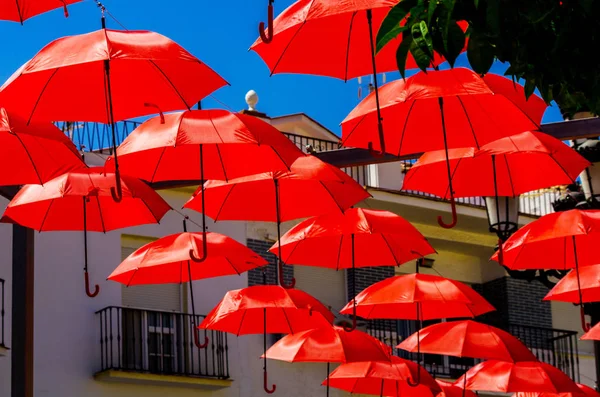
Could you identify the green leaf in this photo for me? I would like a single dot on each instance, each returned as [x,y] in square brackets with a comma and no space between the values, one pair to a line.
[402,54]
[493,17]
[387,31]
[445,20]
[529,87]
[480,53]
[456,42]
[476,2]
[422,38]
[431,10]
[422,58]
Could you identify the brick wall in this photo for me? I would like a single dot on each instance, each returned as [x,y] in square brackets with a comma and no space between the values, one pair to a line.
[366,277]
[516,302]
[255,276]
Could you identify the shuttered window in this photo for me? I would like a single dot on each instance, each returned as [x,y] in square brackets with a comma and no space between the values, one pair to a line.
[162,297]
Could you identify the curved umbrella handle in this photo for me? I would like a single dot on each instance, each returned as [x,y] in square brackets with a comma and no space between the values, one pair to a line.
[197,339]
[412,383]
[267,38]
[266,382]
[351,327]
[585,326]
[374,152]
[117,192]
[87,286]
[195,258]
[282,281]
[155,106]
[65,8]
[454,217]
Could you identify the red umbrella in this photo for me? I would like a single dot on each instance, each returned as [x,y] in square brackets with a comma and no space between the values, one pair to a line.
[162,261]
[452,390]
[22,10]
[562,240]
[501,168]
[437,110]
[583,391]
[311,187]
[468,339]
[418,297]
[122,74]
[330,345]
[593,333]
[577,286]
[383,379]
[82,200]
[40,152]
[507,377]
[355,238]
[266,309]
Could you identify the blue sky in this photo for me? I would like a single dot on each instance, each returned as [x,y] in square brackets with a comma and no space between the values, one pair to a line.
[217,32]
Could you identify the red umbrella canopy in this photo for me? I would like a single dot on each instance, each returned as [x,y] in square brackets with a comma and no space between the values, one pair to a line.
[381,238]
[567,289]
[593,333]
[22,10]
[233,145]
[502,167]
[147,71]
[243,311]
[474,114]
[507,377]
[299,32]
[583,391]
[370,377]
[329,344]
[40,152]
[555,241]
[436,297]
[162,261]
[452,390]
[83,198]
[468,339]
[311,187]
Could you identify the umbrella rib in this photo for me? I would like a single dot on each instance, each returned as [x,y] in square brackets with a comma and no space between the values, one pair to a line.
[158,164]
[30,158]
[46,215]
[101,216]
[222,163]
[242,322]
[390,248]
[223,203]
[287,319]
[171,84]
[37,102]
[512,187]
[562,168]
[452,177]
[337,266]
[232,266]
[286,47]
[354,129]
[19,12]
[348,46]
[331,195]
[405,125]
[468,119]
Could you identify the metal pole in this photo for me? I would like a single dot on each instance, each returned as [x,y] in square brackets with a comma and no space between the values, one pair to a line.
[22,312]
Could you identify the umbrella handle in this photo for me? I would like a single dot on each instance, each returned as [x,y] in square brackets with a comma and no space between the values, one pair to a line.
[266,382]
[454,217]
[500,253]
[585,326]
[374,152]
[411,383]
[195,258]
[267,38]
[65,8]
[87,286]
[155,106]
[352,327]
[117,192]
[197,339]
[282,281]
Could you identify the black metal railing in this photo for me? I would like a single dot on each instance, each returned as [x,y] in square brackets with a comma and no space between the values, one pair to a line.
[553,346]
[160,343]
[97,137]
[2,313]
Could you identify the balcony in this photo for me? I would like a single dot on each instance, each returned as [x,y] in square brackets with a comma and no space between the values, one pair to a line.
[153,347]
[553,346]
[3,348]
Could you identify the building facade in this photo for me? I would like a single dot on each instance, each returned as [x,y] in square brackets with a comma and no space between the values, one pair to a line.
[136,341]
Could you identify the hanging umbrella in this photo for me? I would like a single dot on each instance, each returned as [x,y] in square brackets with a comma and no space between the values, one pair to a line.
[468,339]
[295,40]
[579,285]
[528,376]
[452,390]
[383,379]
[311,187]
[82,200]
[355,238]
[583,391]
[593,333]
[122,75]
[34,153]
[266,309]
[22,10]
[417,297]
[437,110]
[561,241]
[162,261]
[329,345]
